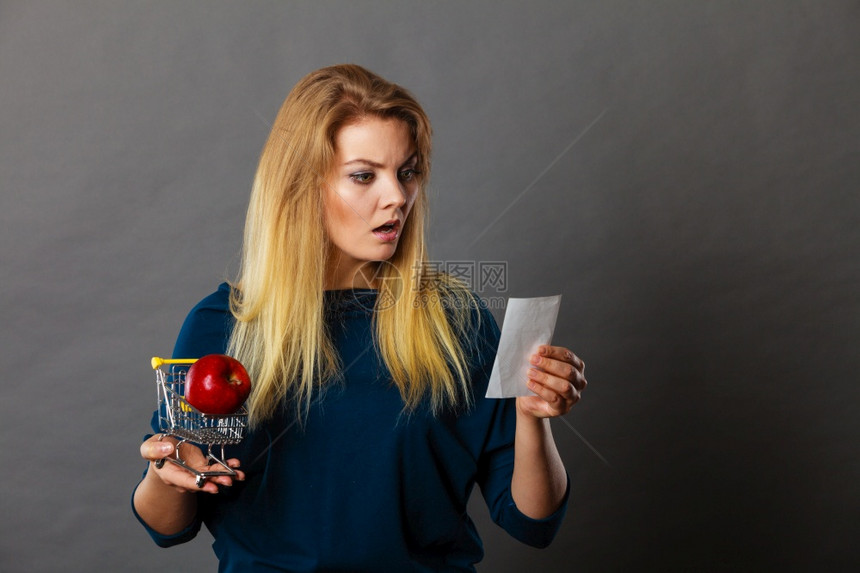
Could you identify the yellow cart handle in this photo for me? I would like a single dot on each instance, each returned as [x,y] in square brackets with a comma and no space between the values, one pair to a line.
[157,362]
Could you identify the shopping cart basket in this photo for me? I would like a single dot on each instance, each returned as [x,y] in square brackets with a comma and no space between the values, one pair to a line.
[177,418]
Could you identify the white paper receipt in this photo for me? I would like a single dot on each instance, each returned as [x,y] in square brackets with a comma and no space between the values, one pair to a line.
[529,323]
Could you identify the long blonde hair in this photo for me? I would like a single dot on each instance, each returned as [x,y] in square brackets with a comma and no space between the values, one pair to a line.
[421,321]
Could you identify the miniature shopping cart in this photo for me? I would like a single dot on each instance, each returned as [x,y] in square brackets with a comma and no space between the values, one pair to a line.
[177,418]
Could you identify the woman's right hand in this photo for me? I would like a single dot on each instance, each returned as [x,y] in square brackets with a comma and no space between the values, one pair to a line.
[159,447]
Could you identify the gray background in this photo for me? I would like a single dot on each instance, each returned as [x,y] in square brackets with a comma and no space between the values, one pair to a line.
[684,173]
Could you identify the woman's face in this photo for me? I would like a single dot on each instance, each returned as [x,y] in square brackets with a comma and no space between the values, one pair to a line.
[368,196]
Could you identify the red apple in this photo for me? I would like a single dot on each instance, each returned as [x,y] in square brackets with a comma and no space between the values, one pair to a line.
[217,385]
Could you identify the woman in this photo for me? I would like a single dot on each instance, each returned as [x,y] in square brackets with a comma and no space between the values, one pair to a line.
[368,423]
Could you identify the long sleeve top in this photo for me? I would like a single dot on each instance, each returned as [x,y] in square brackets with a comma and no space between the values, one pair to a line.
[361,485]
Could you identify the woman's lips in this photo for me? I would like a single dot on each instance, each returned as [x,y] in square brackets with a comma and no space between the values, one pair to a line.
[388,232]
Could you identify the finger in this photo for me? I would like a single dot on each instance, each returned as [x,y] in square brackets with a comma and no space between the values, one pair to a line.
[228,480]
[153,449]
[234,465]
[561,354]
[557,368]
[183,480]
[557,403]
[541,408]
[194,457]
[161,451]
[561,386]
[563,370]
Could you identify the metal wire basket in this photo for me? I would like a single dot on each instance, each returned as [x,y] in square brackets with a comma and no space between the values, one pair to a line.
[178,418]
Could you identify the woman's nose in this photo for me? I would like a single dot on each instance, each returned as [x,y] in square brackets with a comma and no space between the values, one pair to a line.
[394,192]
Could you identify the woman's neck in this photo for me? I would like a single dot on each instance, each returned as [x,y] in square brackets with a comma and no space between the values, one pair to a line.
[354,274]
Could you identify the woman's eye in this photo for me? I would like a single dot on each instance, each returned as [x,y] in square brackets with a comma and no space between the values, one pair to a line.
[408,175]
[362,177]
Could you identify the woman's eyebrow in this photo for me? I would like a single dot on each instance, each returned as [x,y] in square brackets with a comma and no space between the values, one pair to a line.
[364,162]
[376,164]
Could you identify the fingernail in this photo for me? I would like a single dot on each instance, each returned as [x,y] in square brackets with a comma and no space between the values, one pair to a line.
[544,351]
[164,448]
[535,359]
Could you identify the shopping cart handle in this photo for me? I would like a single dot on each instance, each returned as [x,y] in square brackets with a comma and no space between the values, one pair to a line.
[158,362]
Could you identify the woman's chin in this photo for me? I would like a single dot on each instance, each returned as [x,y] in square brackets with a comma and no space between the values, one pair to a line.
[384,252]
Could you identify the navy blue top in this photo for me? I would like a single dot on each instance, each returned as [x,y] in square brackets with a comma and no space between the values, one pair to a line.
[361,485]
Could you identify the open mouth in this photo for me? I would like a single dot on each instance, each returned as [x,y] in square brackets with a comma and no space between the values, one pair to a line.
[387,228]
[388,231]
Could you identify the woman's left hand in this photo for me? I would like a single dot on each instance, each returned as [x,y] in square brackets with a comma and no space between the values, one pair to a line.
[557,376]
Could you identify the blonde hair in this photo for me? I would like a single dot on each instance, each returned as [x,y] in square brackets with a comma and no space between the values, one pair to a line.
[422,320]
